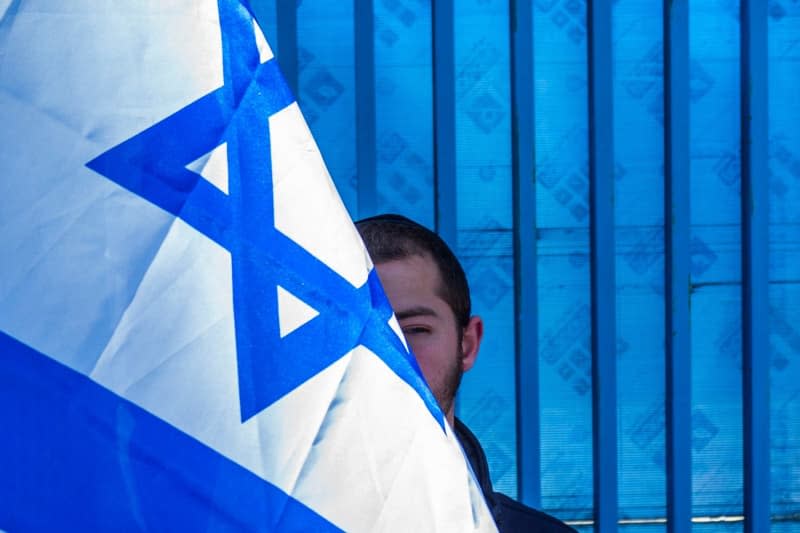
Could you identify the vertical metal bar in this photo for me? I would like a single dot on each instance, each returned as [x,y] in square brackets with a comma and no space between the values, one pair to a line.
[525,271]
[444,119]
[676,229]
[755,218]
[366,145]
[601,177]
[287,43]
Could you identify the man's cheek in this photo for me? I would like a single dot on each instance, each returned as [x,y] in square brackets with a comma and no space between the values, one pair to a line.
[417,345]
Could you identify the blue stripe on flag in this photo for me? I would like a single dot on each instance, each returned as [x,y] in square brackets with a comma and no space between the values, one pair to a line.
[75,456]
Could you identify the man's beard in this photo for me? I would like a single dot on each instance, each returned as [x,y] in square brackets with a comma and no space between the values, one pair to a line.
[451,382]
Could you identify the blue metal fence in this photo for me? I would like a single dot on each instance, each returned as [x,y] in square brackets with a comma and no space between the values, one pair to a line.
[677,280]
[621,179]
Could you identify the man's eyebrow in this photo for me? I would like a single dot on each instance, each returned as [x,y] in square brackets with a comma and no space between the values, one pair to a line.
[415,312]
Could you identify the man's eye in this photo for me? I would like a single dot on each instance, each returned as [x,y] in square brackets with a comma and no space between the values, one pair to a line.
[415,330]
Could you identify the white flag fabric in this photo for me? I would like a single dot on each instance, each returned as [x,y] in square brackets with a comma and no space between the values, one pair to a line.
[192,337]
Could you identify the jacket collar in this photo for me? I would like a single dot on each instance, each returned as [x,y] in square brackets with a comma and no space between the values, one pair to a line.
[477,460]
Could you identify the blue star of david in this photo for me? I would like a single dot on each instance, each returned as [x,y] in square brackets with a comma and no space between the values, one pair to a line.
[152,164]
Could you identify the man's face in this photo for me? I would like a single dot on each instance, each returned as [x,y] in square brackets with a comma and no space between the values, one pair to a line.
[429,325]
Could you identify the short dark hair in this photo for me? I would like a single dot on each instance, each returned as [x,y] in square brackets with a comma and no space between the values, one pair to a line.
[390,237]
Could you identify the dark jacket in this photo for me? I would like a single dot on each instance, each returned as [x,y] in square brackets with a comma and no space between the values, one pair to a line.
[509,515]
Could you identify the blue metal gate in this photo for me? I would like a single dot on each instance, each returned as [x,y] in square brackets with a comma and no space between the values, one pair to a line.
[621,180]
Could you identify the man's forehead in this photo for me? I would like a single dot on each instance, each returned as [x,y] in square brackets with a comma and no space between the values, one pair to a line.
[415,257]
[412,263]
[409,266]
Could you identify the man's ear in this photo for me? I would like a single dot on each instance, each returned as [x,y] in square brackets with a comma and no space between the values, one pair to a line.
[471,341]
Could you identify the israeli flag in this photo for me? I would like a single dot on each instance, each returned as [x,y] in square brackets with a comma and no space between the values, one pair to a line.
[192,337]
